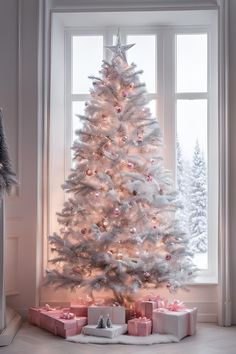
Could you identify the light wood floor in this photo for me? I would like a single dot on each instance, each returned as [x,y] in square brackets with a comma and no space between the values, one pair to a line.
[210,339]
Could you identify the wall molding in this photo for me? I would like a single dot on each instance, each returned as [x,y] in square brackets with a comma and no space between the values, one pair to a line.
[12,265]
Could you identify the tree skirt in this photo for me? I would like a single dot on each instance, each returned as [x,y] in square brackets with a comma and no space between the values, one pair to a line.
[124,339]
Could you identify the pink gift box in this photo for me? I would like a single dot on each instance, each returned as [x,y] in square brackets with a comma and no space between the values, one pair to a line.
[140,327]
[178,323]
[48,320]
[70,327]
[145,308]
[34,314]
[79,310]
[116,314]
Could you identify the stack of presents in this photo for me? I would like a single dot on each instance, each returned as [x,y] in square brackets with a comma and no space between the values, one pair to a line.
[148,316]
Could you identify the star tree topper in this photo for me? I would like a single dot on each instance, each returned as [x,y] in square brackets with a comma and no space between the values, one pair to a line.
[119,49]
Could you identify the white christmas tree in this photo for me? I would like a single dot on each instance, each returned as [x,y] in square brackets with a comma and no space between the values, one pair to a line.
[118,228]
[198,202]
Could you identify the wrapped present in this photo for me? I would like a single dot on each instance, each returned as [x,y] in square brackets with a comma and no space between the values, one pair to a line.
[140,327]
[34,316]
[34,313]
[178,322]
[145,306]
[112,332]
[80,310]
[116,314]
[48,320]
[66,326]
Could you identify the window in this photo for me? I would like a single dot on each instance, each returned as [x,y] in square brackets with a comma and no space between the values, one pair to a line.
[181,79]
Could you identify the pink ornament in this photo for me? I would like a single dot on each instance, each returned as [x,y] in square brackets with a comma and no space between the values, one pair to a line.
[147,274]
[132,230]
[118,108]
[117,212]
[89,172]
[130,165]
[139,139]
[149,178]
[168,257]
[96,195]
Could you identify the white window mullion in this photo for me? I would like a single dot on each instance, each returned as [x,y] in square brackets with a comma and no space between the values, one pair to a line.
[79,97]
[191,96]
[169,99]
[160,79]
[68,101]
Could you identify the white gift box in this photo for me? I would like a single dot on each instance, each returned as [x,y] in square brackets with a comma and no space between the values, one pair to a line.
[116,314]
[178,323]
[112,332]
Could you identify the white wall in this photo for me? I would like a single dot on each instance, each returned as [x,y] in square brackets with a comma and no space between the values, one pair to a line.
[18,97]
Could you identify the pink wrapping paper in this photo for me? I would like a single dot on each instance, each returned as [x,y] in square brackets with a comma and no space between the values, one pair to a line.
[144,307]
[69,327]
[180,323]
[34,313]
[47,320]
[140,327]
[79,310]
[116,314]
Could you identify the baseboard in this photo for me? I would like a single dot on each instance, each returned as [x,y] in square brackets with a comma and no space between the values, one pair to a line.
[207,318]
[13,324]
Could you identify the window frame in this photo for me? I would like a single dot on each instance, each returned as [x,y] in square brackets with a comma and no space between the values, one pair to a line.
[164,108]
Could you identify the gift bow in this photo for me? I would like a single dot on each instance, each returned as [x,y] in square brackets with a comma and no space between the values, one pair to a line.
[176,305]
[143,319]
[67,315]
[48,308]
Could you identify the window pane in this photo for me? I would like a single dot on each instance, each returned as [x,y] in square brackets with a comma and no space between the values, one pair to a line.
[77,108]
[191,155]
[87,59]
[152,105]
[143,54]
[191,62]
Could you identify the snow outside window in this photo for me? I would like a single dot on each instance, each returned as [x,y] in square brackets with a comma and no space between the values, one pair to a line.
[179,67]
